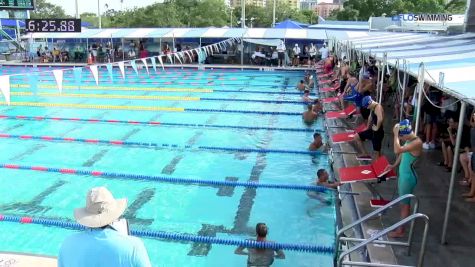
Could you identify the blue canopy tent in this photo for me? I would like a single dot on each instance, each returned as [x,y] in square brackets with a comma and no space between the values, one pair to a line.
[290,24]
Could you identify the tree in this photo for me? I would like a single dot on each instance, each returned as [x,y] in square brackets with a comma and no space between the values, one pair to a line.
[456,7]
[45,10]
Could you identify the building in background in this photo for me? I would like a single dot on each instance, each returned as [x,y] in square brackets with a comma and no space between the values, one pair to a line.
[293,3]
[237,3]
[325,9]
[308,4]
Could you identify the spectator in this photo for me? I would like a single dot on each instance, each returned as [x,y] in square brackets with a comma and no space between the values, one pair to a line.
[431,117]
[407,155]
[312,53]
[56,55]
[466,156]
[448,144]
[101,244]
[470,196]
[260,256]
[317,144]
[309,116]
[281,52]
[274,60]
[296,57]
[324,51]
[374,131]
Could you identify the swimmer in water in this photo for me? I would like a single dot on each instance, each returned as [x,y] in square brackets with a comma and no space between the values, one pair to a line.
[309,116]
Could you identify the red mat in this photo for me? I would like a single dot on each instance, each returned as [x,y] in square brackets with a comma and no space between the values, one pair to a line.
[366,173]
[350,110]
[329,89]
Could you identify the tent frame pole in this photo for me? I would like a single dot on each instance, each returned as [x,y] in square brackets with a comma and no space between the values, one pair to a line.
[381,81]
[404,81]
[453,173]
[420,86]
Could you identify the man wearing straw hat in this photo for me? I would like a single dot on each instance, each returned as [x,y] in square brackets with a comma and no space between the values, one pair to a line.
[102,244]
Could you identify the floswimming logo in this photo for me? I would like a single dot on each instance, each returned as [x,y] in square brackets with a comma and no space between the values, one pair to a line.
[422,17]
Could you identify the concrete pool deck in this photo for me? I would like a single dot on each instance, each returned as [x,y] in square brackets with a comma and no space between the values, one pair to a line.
[432,190]
[26,260]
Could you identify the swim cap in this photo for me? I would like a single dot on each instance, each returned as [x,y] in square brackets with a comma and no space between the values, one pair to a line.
[367,100]
[405,127]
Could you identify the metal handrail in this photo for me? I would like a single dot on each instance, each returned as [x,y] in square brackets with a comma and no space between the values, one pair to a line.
[410,218]
[378,211]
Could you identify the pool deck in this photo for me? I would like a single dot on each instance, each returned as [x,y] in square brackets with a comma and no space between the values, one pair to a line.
[432,190]
[26,260]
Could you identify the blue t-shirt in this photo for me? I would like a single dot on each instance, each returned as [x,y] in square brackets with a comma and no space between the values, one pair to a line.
[104,248]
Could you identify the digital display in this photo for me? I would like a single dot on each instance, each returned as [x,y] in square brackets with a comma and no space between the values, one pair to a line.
[53,25]
[17,4]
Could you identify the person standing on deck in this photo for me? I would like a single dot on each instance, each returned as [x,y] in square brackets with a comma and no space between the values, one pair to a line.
[374,131]
[407,155]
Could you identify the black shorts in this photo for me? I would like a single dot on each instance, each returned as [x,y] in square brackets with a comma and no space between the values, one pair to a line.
[342,85]
[312,57]
[365,112]
[447,143]
[375,137]
[281,55]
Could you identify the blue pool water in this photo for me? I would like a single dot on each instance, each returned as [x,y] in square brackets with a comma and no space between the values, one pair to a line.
[229,213]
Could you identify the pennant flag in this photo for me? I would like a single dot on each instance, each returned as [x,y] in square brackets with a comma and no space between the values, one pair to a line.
[154,64]
[5,87]
[170,58]
[33,81]
[161,62]
[109,70]
[144,61]
[58,76]
[121,68]
[95,73]
[134,66]
[77,72]
[178,57]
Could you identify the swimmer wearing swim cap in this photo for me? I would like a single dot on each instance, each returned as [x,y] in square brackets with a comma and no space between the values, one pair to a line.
[407,155]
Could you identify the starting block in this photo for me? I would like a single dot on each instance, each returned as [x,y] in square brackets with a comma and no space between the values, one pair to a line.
[367,173]
[329,89]
[348,111]
[331,99]
[378,203]
[347,136]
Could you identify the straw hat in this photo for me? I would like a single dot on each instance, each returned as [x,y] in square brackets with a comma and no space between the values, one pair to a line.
[101,208]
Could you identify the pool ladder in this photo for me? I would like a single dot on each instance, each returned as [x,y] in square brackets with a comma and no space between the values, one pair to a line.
[342,255]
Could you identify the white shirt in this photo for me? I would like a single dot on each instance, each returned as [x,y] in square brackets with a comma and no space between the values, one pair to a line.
[274,55]
[296,50]
[313,50]
[281,48]
[324,52]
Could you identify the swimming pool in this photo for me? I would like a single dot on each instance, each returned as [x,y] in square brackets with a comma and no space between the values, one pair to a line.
[221,125]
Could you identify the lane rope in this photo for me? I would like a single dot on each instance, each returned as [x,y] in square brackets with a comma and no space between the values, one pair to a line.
[155,123]
[166,179]
[158,89]
[172,236]
[153,97]
[155,145]
[143,108]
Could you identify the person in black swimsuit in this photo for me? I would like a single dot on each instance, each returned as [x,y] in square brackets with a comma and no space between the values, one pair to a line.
[374,131]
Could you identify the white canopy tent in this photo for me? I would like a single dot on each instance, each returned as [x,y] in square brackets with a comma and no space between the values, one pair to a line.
[446,62]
